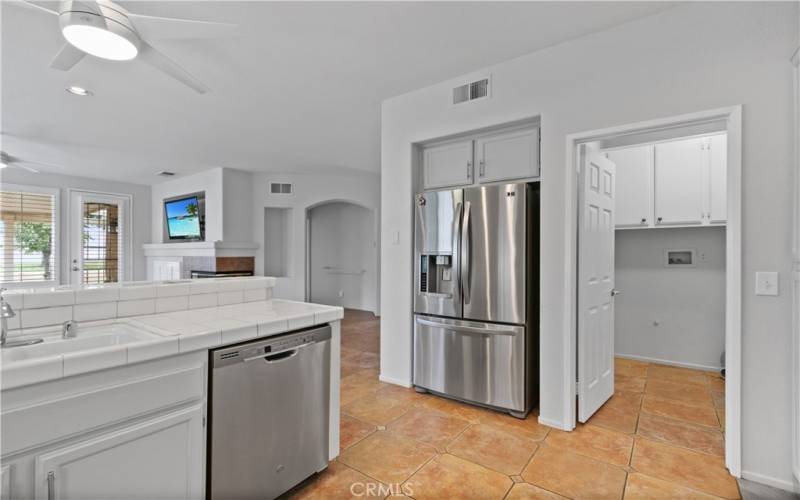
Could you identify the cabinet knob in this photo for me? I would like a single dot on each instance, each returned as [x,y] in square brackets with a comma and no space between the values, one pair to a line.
[644,220]
[482,170]
[658,220]
[469,169]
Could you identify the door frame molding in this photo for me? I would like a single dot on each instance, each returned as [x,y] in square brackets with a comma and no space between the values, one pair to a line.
[732,115]
[128,263]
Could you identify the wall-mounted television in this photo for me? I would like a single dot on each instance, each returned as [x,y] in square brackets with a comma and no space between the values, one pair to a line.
[185,217]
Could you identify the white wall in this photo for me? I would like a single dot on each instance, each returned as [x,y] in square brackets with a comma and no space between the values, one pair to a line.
[140,211]
[343,238]
[309,190]
[668,314]
[692,57]
[237,214]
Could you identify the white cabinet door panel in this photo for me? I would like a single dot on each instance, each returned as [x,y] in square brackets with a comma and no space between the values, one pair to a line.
[447,165]
[634,205]
[508,156]
[718,179]
[679,167]
[158,458]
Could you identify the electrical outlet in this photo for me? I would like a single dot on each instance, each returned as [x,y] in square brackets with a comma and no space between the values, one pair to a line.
[340,294]
[766,283]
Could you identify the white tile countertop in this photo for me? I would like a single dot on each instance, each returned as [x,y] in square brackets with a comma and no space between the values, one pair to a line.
[170,333]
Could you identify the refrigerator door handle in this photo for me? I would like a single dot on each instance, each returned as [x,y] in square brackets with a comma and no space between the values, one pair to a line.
[466,254]
[467,329]
[457,251]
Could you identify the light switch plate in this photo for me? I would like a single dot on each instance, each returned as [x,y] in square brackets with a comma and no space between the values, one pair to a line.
[766,283]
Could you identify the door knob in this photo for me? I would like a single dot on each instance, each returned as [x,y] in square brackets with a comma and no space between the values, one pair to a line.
[615,292]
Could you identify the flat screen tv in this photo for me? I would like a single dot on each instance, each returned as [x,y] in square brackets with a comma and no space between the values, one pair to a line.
[184,218]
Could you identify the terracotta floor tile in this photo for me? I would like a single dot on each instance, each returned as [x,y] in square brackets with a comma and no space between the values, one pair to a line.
[686,435]
[387,457]
[719,398]
[525,491]
[619,414]
[447,476]
[594,442]
[642,487]
[352,430]
[428,426]
[679,391]
[528,427]
[716,384]
[573,475]
[688,412]
[402,393]
[676,374]
[626,383]
[630,368]
[364,360]
[688,468]
[458,409]
[346,369]
[375,409]
[340,481]
[356,386]
[493,448]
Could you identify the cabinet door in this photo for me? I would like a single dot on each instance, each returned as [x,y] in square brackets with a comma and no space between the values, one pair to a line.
[447,165]
[634,182]
[507,156]
[679,182]
[717,179]
[158,458]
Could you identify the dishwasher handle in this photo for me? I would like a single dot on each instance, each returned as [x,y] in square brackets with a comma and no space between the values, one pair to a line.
[275,357]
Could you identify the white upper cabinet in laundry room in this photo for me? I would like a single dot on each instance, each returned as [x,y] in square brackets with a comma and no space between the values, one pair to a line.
[634,185]
[679,173]
[447,165]
[717,150]
[508,155]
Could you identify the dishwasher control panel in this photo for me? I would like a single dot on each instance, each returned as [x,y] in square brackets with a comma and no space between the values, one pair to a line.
[274,345]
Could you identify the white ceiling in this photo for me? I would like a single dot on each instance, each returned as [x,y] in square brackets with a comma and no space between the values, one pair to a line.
[299,89]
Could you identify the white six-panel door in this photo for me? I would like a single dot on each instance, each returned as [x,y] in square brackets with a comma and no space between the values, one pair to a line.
[595,282]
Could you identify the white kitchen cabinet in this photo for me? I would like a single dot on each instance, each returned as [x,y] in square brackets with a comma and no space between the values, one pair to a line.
[717,152]
[679,174]
[161,457]
[447,165]
[508,155]
[634,186]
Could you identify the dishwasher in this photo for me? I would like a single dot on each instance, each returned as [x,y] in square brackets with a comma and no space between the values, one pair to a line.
[269,405]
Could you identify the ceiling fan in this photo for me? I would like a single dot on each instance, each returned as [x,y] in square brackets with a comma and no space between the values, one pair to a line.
[106,30]
[6,160]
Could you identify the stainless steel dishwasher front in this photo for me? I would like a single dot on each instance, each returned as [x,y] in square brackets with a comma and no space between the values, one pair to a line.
[269,404]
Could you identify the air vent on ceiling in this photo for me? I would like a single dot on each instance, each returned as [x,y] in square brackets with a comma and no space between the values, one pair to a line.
[165,173]
[280,188]
[471,91]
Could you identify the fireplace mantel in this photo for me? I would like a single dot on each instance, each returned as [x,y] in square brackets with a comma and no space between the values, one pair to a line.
[201,249]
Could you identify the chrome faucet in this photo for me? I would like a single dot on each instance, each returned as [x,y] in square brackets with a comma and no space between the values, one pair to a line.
[69,329]
[7,312]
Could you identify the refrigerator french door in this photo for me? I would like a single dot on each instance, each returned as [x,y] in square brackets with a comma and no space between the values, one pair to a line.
[476,295]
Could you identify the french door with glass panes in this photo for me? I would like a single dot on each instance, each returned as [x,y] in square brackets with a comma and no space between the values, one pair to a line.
[99,238]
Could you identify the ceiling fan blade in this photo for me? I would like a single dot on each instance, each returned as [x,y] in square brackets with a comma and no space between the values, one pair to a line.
[152,28]
[67,57]
[151,56]
[22,163]
[24,167]
[33,6]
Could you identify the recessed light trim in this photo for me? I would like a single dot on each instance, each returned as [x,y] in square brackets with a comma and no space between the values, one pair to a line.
[79,91]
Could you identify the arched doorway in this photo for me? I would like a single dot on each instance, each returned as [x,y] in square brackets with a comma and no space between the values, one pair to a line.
[341,255]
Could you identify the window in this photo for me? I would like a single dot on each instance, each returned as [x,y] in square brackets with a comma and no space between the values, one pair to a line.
[28,238]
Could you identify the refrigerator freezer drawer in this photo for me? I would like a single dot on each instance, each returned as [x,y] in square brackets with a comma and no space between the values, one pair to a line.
[479,362]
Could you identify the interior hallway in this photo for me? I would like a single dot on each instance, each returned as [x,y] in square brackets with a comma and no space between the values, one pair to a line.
[660,436]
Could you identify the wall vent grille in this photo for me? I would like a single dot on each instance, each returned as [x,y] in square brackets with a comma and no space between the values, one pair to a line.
[165,173]
[471,91]
[280,188]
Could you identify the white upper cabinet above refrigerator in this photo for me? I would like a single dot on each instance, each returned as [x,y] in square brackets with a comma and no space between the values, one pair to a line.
[679,182]
[447,165]
[507,155]
[634,183]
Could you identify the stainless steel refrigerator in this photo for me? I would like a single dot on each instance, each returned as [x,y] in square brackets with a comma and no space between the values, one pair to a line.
[476,295]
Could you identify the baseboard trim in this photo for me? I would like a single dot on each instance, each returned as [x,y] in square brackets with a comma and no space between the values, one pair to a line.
[781,484]
[556,424]
[395,381]
[669,362]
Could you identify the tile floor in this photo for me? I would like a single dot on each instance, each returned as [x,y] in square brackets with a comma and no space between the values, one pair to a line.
[660,436]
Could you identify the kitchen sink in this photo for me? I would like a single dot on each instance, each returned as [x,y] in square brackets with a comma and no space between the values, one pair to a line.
[88,338]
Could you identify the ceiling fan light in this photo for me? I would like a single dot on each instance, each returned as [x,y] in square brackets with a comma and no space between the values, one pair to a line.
[100,42]
[80,91]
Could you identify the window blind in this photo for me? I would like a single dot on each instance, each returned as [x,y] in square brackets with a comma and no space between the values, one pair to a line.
[27,237]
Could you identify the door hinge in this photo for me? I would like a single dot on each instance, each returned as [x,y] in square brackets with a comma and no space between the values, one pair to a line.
[204,420]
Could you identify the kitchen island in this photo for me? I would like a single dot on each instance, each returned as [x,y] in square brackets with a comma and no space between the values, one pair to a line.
[119,410]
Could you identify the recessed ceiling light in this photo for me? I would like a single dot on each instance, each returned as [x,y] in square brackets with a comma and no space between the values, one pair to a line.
[74,89]
[101,42]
